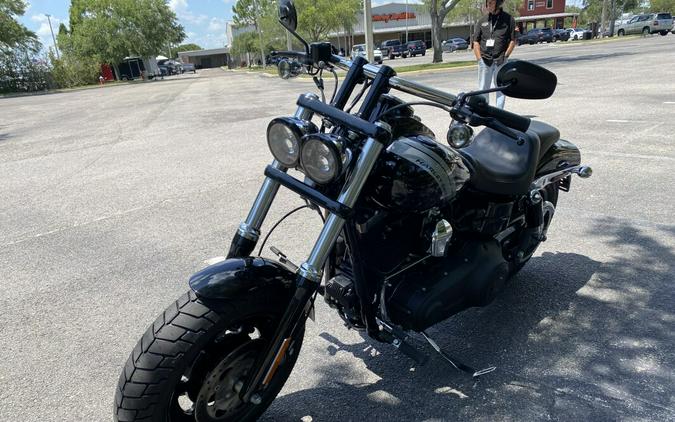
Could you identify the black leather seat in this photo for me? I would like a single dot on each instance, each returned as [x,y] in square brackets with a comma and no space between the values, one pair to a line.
[547,134]
[499,165]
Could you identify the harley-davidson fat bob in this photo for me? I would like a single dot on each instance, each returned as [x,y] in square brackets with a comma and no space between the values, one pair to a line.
[414,232]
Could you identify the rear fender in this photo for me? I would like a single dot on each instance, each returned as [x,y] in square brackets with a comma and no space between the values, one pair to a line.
[235,276]
[562,154]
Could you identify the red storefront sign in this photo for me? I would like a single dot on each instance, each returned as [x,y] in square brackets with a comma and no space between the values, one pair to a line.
[393,17]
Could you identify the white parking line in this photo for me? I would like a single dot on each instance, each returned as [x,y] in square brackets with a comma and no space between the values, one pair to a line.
[669,102]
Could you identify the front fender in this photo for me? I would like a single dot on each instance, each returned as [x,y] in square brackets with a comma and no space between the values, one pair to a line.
[234,276]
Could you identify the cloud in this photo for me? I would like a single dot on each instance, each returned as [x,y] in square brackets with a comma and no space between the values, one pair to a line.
[43,31]
[183,12]
[216,25]
[177,5]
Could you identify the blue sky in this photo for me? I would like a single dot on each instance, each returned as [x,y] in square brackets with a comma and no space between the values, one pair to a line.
[204,20]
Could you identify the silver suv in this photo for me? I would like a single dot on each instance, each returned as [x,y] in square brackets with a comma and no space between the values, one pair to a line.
[653,23]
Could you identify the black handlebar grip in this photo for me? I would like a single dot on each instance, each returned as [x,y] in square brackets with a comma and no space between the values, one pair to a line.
[512,120]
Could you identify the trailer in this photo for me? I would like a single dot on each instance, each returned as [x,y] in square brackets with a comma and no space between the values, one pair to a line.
[138,68]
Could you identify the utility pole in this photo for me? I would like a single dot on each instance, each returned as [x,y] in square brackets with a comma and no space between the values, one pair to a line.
[368,27]
[53,37]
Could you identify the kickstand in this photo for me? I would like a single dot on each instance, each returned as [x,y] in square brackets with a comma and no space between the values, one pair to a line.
[456,363]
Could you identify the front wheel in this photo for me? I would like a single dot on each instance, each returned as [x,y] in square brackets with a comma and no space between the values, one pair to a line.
[192,362]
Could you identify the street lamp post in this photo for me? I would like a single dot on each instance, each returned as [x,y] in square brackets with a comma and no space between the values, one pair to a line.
[406,21]
[53,37]
[368,26]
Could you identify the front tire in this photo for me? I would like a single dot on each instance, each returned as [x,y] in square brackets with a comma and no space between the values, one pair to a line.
[190,362]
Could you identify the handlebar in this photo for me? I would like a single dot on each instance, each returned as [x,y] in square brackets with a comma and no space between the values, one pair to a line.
[512,120]
[477,104]
[370,70]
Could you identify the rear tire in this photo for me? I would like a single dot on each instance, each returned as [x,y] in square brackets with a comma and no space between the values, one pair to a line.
[663,33]
[190,362]
[621,33]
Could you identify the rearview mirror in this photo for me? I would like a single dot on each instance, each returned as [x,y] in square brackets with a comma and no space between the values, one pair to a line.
[526,80]
[287,15]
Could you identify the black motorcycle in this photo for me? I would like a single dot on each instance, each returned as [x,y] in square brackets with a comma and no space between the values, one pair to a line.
[414,232]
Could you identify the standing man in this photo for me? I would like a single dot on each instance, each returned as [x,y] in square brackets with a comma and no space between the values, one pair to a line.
[493,42]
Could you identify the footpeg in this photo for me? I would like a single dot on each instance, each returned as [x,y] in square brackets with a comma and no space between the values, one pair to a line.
[456,363]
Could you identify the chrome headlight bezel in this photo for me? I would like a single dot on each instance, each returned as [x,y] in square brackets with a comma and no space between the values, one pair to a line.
[339,152]
[460,135]
[296,129]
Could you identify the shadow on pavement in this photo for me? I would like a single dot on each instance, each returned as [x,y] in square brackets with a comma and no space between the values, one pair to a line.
[574,59]
[571,337]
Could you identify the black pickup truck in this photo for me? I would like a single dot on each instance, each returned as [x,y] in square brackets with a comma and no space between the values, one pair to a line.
[393,48]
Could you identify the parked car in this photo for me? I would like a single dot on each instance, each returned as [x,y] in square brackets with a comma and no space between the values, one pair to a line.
[547,35]
[652,23]
[454,44]
[529,37]
[576,33]
[536,35]
[360,50]
[417,47]
[188,67]
[393,48]
[164,70]
[560,35]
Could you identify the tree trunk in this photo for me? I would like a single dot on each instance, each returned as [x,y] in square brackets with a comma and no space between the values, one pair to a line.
[436,26]
[262,48]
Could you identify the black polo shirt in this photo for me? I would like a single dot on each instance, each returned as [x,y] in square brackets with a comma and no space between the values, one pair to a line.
[502,29]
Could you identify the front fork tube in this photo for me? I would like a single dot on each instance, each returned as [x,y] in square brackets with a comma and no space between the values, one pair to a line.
[248,234]
[309,277]
[249,231]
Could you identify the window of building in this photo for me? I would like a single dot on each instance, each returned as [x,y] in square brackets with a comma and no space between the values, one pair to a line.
[549,4]
[530,4]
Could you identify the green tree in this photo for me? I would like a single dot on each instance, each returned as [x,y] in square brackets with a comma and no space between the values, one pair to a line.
[109,30]
[253,13]
[12,33]
[318,18]
[188,47]
[657,6]
[438,10]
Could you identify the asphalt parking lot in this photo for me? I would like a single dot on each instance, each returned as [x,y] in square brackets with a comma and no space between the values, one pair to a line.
[110,198]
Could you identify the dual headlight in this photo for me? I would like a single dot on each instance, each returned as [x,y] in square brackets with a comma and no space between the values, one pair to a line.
[296,143]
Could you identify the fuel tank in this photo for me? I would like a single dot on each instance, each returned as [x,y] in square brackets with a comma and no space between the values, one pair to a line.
[415,173]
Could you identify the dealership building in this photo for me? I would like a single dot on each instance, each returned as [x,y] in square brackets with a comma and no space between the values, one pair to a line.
[410,22]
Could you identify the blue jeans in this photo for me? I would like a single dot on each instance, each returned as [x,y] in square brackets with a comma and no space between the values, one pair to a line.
[487,78]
